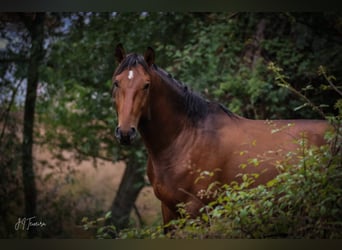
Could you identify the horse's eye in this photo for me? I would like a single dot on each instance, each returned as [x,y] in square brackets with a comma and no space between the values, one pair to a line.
[146,86]
[116,84]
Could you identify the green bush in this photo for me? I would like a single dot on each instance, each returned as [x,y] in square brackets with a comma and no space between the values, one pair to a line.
[304,201]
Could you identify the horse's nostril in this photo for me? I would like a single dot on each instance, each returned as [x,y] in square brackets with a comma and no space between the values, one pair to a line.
[125,137]
[132,133]
[117,133]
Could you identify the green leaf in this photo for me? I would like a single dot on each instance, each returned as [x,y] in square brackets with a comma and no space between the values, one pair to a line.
[108,215]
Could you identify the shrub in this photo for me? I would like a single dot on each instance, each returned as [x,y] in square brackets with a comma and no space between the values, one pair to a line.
[304,201]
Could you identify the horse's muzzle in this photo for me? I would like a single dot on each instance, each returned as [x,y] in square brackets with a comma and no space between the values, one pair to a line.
[125,137]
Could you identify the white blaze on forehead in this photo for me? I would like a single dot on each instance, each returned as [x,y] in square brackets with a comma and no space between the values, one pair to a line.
[130,74]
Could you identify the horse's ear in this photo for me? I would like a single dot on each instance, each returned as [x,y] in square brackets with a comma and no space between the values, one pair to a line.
[149,56]
[120,53]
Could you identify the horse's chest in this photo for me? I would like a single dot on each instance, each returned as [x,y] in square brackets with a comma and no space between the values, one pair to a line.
[164,193]
[168,183]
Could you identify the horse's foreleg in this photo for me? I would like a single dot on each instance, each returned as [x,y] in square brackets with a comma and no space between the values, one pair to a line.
[168,215]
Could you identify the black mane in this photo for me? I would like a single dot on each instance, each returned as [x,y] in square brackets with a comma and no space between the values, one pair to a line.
[196,107]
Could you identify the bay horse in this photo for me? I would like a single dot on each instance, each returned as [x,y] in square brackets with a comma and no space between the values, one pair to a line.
[192,142]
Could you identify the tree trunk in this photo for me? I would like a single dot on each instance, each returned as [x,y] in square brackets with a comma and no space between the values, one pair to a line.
[253,51]
[35,26]
[131,184]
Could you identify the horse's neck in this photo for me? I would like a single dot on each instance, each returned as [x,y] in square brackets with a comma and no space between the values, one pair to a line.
[165,122]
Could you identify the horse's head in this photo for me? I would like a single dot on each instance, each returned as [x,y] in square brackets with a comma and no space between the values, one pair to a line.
[131,83]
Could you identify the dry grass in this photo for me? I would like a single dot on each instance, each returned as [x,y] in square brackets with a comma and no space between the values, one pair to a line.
[73,189]
[69,189]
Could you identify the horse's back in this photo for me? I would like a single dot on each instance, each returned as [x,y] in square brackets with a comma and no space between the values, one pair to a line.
[251,146]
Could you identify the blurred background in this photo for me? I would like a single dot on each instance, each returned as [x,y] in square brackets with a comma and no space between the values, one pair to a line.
[59,161]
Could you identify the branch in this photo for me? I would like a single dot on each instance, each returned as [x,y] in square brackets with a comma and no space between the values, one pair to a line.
[285,84]
[7,111]
[14,59]
[323,72]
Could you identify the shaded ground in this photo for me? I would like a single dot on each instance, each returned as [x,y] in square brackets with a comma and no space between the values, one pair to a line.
[69,190]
